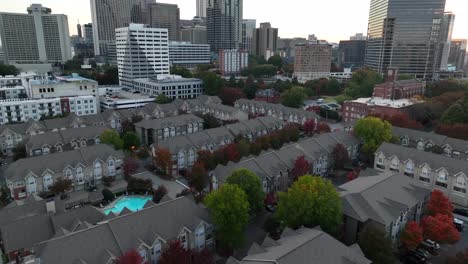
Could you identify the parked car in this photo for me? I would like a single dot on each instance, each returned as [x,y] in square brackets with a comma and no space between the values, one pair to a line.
[459,224]
[425,253]
[431,246]
[410,259]
[460,211]
[320,101]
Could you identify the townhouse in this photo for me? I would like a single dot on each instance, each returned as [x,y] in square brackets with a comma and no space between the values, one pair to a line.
[385,200]
[156,130]
[274,167]
[64,140]
[147,231]
[435,171]
[287,114]
[303,246]
[184,148]
[85,167]
[427,141]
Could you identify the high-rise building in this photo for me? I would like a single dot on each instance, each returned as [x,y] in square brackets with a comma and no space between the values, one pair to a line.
[88,33]
[404,34]
[193,31]
[352,54]
[201,8]
[107,15]
[287,47]
[312,61]
[456,58]
[232,62]
[358,36]
[142,52]
[248,34]
[36,37]
[445,38]
[224,24]
[78,30]
[165,16]
[266,39]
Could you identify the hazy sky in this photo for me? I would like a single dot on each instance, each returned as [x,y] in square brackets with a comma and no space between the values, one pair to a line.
[332,20]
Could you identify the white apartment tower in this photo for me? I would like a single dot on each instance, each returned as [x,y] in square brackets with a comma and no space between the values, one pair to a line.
[201,8]
[37,37]
[142,52]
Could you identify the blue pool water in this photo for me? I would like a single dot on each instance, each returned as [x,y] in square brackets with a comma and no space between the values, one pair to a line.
[132,203]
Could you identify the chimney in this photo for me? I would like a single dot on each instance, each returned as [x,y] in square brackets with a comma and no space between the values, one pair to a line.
[50,206]
[392,75]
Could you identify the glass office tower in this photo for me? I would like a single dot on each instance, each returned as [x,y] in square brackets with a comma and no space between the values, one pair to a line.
[405,34]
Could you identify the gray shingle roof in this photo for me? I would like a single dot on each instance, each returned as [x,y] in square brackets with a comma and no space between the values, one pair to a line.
[49,138]
[381,198]
[305,246]
[168,122]
[278,108]
[416,134]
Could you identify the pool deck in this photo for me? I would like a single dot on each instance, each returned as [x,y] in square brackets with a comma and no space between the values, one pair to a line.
[112,204]
[173,187]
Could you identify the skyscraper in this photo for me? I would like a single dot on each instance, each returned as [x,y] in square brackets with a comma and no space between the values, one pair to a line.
[312,61]
[224,24]
[445,38]
[36,37]
[266,38]
[201,8]
[456,58]
[142,52]
[78,30]
[352,53]
[107,15]
[165,16]
[405,34]
[88,33]
[248,33]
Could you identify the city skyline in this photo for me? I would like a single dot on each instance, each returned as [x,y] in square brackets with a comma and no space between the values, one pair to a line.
[340,22]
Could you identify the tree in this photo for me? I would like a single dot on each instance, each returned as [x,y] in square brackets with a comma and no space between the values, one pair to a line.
[162,99]
[230,95]
[163,160]
[376,245]
[19,152]
[362,83]
[333,87]
[198,176]
[250,87]
[459,258]
[309,202]
[159,193]
[301,167]
[5,196]
[412,236]
[323,128]
[127,126]
[456,113]
[374,131]
[231,153]
[229,208]
[309,127]
[276,60]
[275,141]
[243,148]
[177,70]
[266,70]
[294,97]
[111,137]
[340,156]
[8,70]
[131,257]
[130,166]
[256,147]
[203,257]
[131,141]
[207,158]
[439,204]
[440,228]
[250,183]
[61,186]
[212,83]
[210,121]
[175,253]
[108,195]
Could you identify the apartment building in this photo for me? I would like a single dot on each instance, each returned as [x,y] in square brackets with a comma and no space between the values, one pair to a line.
[312,61]
[172,86]
[233,61]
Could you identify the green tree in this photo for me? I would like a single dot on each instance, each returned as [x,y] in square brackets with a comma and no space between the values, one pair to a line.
[456,113]
[212,83]
[376,245]
[19,152]
[210,121]
[61,186]
[250,183]
[111,137]
[333,87]
[276,60]
[130,141]
[374,131]
[250,87]
[229,210]
[294,97]
[309,202]
[266,70]
[162,99]
[177,70]
[8,70]
[243,147]
[402,77]
[362,83]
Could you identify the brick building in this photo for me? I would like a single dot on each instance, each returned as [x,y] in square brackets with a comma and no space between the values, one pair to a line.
[394,89]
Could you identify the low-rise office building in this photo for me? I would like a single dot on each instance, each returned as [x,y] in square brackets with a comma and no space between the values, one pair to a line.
[62,86]
[172,86]
[188,55]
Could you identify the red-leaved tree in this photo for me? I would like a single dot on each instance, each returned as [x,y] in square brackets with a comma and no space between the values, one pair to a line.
[131,257]
[351,176]
[412,235]
[175,253]
[459,131]
[230,95]
[130,166]
[309,127]
[439,204]
[198,176]
[323,128]
[231,153]
[340,156]
[203,257]
[440,228]
[207,158]
[163,160]
[301,167]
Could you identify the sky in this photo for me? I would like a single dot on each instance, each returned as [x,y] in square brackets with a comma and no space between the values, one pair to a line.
[332,20]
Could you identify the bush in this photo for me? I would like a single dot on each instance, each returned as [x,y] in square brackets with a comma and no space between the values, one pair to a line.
[107,181]
[159,193]
[108,195]
[139,185]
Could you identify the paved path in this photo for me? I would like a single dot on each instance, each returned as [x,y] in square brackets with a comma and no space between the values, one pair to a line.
[173,187]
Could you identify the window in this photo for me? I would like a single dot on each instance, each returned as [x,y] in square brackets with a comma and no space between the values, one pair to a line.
[425,174]
[395,165]
[183,240]
[48,181]
[405,141]
[409,169]
[460,184]
[79,175]
[420,145]
[97,170]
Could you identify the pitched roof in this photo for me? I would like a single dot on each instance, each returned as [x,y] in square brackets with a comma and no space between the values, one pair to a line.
[381,198]
[168,122]
[278,108]
[305,246]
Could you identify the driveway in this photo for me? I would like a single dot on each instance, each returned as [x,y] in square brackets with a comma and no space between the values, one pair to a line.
[452,250]
[173,187]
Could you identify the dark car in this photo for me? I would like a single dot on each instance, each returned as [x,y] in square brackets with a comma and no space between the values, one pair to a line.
[431,246]
[461,211]
[410,259]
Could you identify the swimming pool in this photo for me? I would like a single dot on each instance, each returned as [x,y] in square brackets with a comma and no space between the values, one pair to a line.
[131,203]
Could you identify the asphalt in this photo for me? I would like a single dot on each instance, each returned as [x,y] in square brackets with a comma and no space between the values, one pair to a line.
[452,250]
